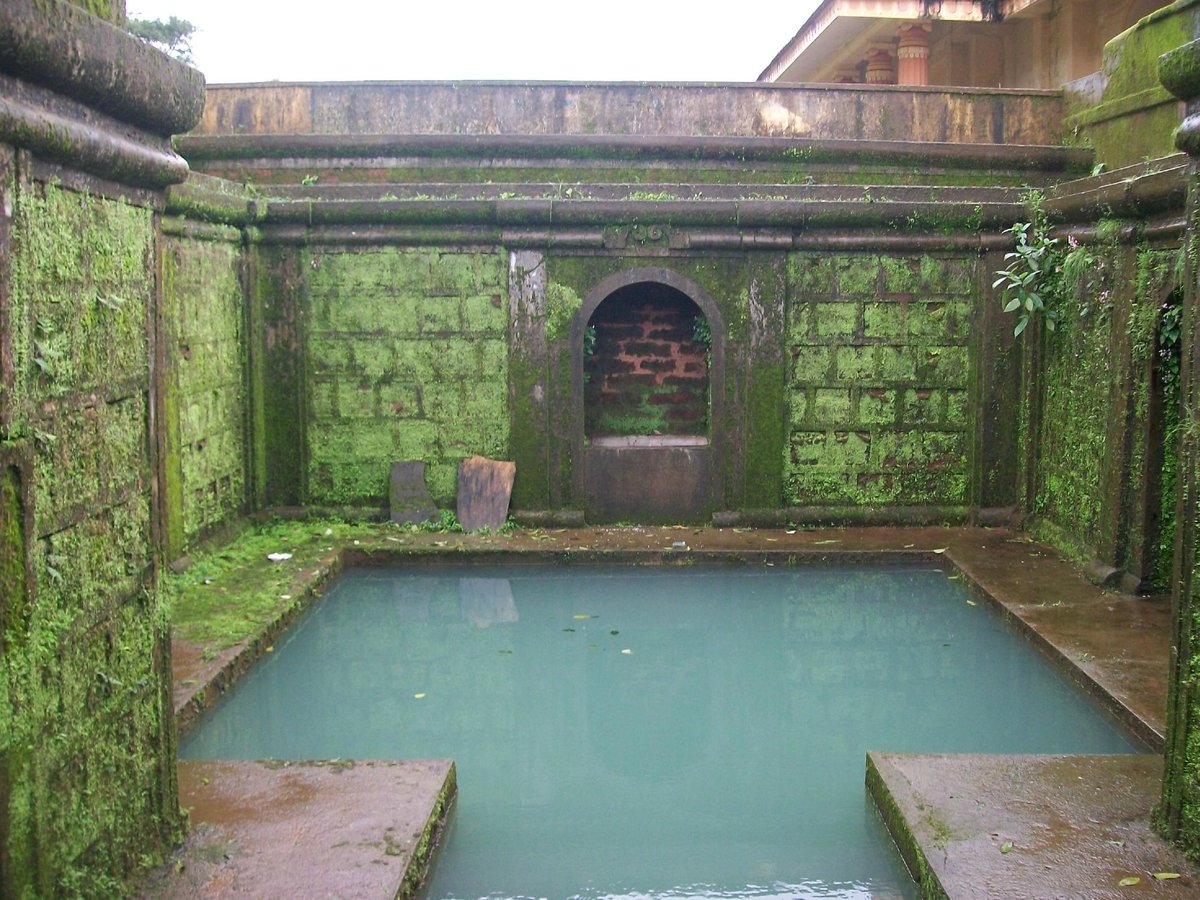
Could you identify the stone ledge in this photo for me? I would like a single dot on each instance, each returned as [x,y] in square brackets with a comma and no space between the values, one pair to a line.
[283,829]
[1028,826]
[57,45]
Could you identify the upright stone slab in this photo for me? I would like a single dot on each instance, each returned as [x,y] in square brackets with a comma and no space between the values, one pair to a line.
[410,498]
[484,490]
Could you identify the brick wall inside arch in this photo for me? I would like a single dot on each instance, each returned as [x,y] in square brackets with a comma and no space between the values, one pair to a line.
[646,364]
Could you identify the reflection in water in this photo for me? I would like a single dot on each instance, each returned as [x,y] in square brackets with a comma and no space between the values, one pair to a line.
[722,755]
[486,601]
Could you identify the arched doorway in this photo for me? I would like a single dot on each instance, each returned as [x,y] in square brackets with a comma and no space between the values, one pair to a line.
[649,351]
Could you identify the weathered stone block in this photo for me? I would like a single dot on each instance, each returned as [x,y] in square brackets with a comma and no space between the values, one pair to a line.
[940,365]
[848,449]
[893,363]
[946,276]
[884,321]
[440,316]
[858,275]
[899,275]
[815,485]
[485,314]
[855,364]
[401,400]
[484,491]
[807,448]
[812,364]
[877,406]
[811,275]
[408,495]
[923,406]
[831,406]
[836,320]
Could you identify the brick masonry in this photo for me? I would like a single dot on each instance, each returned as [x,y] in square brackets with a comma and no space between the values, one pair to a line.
[647,372]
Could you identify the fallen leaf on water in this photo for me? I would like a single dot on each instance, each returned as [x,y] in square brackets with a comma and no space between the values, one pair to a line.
[1166,876]
[270,649]
[627,651]
[1129,880]
[418,696]
[569,629]
[614,631]
[819,543]
[972,603]
[1006,847]
[582,616]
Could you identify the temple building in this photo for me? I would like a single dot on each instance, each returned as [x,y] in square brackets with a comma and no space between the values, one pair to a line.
[1024,44]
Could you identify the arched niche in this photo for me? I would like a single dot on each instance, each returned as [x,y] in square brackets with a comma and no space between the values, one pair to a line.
[660,465]
[646,366]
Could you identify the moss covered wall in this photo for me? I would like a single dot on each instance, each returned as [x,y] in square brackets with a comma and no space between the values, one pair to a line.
[1123,111]
[1103,441]
[406,357]
[879,405]
[204,415]
[88,749]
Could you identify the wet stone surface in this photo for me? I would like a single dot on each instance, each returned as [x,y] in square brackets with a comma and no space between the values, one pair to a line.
[1031,826]
[275,829]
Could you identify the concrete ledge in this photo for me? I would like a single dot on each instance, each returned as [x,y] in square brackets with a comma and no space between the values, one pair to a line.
[269,829]
[799,152]
[1028,826]
[931,114]
[59,46]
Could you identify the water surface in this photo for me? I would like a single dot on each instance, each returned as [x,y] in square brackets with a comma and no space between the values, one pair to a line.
[674,732]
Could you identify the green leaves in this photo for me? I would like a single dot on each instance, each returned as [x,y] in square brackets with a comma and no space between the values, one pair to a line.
[1031,280]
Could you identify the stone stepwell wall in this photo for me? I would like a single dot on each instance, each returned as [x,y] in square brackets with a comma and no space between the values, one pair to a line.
[87,745]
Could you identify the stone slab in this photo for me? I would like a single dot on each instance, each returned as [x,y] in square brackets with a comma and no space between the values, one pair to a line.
[273,829]
[484,491]
[408,494]
[977,826]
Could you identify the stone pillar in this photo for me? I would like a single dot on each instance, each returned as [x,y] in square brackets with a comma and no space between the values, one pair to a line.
[880,68]
[912,54]
[1179,813]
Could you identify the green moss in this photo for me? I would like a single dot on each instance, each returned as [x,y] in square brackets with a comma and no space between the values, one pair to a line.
[14,605]
[90,733]
[562,303]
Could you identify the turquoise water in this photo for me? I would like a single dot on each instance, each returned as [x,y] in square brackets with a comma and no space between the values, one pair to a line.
[701,733]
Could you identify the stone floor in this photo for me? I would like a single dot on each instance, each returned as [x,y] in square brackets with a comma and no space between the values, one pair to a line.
[957,811]
[346,829]
[1029,826]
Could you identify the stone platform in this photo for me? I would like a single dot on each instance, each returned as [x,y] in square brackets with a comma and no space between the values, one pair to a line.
[335,828]
[979,826]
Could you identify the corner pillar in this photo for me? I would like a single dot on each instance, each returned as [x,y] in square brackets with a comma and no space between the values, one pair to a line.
[1178,816]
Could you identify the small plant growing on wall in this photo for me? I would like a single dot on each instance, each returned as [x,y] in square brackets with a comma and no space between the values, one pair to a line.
[1039,273]
[1029,283]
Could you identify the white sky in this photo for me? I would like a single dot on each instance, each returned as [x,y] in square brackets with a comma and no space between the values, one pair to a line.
[360,40]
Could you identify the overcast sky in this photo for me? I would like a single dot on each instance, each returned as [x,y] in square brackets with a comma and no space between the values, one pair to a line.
[353,40]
